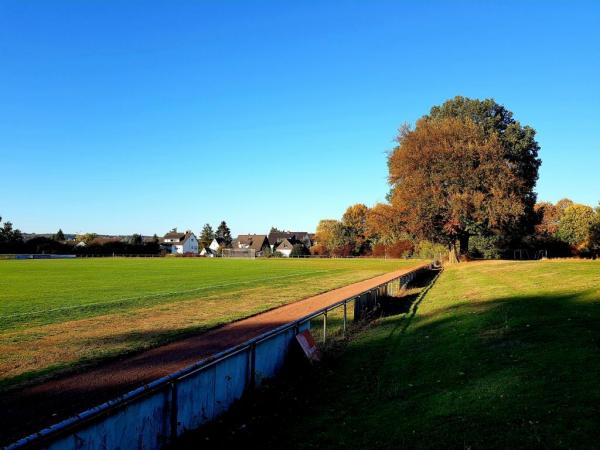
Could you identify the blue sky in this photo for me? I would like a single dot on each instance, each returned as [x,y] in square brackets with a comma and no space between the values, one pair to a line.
[123,117]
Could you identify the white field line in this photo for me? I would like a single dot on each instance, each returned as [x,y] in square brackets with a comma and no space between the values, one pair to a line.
[161,294]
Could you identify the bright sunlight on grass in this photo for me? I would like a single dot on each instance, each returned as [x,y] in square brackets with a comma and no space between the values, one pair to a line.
[56,314]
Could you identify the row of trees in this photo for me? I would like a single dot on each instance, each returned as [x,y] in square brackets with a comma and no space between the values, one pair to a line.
[10,238]
[12,241]
[223,235]
[375,231]
[575,226]
[464,178]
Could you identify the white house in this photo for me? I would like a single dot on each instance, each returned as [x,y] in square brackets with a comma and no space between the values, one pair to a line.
[285,248]
[213,249]
[180,243]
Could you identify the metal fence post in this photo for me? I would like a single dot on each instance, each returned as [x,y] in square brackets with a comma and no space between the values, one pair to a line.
[345,308]
[325,326]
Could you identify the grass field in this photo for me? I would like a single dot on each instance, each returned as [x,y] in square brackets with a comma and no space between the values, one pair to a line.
[499,355]
[60,314]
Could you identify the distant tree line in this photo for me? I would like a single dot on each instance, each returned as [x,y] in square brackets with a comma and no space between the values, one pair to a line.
[12,241]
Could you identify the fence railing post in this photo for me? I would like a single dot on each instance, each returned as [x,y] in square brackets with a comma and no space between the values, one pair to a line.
[325,326]
[345,309]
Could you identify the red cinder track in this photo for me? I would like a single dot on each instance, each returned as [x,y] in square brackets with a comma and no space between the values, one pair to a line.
[28,410]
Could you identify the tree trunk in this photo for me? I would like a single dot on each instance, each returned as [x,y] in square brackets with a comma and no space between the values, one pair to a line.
[464,244]
[452,257]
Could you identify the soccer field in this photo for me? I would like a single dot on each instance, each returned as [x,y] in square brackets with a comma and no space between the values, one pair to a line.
[58,314]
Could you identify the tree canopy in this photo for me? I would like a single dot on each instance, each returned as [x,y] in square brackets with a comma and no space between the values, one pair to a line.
[355,222]
[384,225]
[8,234]
[450,180]
[207,235]
[520,149]
[223,232]
[575,225]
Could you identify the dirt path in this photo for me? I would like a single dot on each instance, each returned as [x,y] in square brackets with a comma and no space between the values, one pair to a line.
[28,410]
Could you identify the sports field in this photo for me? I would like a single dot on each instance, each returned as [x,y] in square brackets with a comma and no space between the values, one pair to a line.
[59,314]
[498,355]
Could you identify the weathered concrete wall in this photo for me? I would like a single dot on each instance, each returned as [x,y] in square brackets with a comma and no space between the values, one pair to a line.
[142,424]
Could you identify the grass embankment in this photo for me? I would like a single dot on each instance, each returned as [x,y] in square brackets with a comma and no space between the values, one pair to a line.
[498,355]
[59,314]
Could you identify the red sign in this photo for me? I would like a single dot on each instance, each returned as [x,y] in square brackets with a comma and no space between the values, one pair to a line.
[308,345]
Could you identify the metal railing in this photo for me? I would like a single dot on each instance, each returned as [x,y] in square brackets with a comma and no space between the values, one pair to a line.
[154,415]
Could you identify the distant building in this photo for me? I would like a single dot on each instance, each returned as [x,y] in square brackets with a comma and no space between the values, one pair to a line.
[285,247]
[180,243]
[258,242]
[302,237]
[213,249]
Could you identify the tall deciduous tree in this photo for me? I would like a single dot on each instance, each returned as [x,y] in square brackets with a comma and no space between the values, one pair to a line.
[355,217]
[325,234]
[450,180]
[223,232]
[520,149]
[384,225]
[207,235]
[355,221]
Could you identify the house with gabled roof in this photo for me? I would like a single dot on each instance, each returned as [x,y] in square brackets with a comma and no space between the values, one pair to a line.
[285,247]
[258,242]
[179,243]
[277,237]
[212,250]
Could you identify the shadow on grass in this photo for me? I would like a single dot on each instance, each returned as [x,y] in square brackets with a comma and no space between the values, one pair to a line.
[402,304]
[514,372]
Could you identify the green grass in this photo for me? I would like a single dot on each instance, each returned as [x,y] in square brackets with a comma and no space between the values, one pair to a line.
[59,314]
[499,355]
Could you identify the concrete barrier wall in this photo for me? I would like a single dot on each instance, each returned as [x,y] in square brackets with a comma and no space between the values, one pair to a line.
[154,416]
[142,424]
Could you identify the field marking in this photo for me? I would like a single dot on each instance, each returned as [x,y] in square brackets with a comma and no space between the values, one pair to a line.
[162,294]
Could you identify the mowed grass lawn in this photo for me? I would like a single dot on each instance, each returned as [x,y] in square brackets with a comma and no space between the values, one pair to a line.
[59,314]
[499,355]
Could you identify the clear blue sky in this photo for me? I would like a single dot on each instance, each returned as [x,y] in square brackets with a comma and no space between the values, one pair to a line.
[122,117]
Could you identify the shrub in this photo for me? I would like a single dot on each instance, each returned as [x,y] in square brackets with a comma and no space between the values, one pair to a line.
[430,250]
[299,250]
[486,247]
[400,249]
[343,251]
[378,251]
[318,250]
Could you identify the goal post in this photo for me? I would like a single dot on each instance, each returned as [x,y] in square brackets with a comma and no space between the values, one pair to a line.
[247,253]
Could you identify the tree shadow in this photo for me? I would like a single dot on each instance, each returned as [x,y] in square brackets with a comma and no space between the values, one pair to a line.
[518,371]
[404,301]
